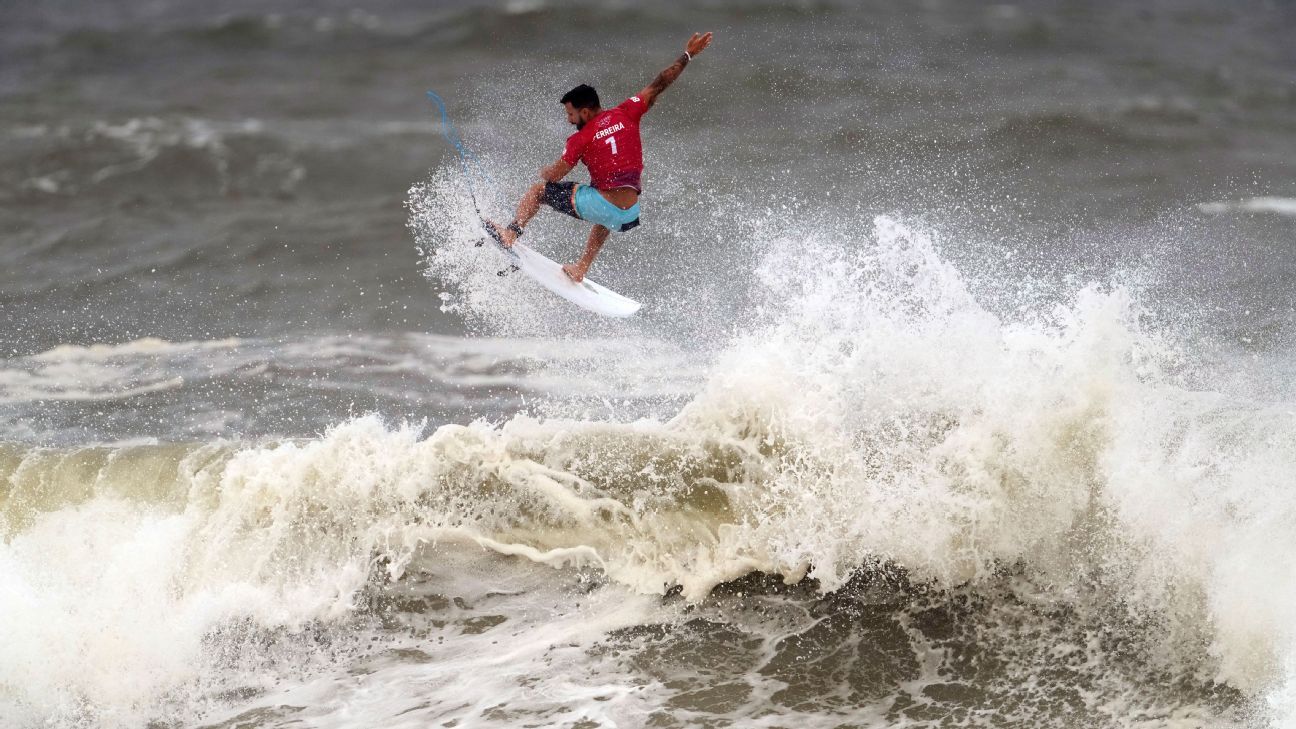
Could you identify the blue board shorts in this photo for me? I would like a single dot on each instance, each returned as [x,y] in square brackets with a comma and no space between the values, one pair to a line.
[585,203]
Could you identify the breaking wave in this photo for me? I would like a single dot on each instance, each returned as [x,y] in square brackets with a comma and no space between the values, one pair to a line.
[876,420]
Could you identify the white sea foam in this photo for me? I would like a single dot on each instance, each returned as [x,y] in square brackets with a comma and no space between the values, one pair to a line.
[878,413]
[1277,205]
[111,150]
[101,372]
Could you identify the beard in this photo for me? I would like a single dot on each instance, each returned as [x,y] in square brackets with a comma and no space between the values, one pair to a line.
[581,125]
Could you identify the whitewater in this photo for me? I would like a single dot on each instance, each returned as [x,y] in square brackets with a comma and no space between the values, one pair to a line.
[885,502]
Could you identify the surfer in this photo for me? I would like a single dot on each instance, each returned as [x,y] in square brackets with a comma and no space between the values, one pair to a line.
[607,141]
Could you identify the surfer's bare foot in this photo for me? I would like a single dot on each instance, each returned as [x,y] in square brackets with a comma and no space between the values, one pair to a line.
[575,271]
[505,236]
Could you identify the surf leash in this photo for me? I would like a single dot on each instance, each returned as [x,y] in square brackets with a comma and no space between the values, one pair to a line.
[468,161]
[472,167]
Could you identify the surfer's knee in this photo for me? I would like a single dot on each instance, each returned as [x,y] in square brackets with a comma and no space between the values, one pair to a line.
[534,194]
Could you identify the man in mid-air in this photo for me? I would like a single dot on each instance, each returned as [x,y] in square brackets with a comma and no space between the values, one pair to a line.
[607,141]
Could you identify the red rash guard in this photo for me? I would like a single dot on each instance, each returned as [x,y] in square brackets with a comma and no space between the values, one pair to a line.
[609,146]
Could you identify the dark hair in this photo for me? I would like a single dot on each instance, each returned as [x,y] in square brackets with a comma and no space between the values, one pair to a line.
[581,97]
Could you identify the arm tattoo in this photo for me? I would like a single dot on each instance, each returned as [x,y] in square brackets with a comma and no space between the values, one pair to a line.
[666,77]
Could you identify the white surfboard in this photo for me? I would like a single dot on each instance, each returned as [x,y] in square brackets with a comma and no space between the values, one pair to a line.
[586,294]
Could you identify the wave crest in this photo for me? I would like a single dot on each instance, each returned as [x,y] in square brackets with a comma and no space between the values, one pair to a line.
[876,414]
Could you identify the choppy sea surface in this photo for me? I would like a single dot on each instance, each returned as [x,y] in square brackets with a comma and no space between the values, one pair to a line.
[961,397]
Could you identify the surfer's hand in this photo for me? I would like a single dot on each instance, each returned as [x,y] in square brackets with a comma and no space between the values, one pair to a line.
[698,43]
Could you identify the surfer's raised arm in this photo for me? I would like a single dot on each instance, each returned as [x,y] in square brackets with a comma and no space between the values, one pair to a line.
[695,45]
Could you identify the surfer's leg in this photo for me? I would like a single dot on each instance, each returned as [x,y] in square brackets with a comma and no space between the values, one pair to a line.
[558,195]
[529,205]
[576,271]
[527,208]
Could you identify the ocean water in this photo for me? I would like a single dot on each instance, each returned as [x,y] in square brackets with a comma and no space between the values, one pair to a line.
[961,397]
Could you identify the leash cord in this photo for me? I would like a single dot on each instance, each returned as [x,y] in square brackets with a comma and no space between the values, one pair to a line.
[466,156]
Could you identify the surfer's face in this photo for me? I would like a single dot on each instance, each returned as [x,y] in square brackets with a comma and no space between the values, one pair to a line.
[578,117]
